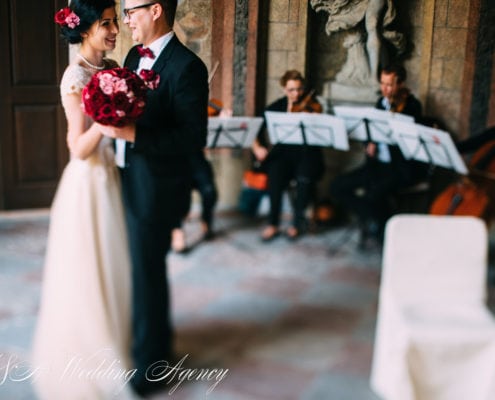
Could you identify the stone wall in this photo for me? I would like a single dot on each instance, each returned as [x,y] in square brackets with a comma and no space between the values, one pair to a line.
[286,48]
[448,53]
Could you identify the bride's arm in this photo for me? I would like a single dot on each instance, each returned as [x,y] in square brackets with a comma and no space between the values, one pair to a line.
[81,142]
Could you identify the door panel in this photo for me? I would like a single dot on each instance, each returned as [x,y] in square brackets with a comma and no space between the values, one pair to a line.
[33,150]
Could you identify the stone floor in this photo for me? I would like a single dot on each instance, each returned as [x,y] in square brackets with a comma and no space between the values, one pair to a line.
[289,320]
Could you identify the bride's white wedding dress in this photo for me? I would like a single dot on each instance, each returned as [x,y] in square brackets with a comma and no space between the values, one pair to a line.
[82,340]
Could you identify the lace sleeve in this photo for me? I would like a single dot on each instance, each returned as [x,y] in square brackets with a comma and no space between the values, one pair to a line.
[74,80]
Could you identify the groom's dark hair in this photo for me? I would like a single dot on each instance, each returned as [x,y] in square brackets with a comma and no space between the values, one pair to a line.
[169,9]
[88,12]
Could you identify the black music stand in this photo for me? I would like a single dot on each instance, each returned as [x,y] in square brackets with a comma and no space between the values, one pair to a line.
[368,124]
[232,132]
[307,129]
[428,145]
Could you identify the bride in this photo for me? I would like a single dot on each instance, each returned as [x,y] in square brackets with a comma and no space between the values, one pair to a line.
[82,343]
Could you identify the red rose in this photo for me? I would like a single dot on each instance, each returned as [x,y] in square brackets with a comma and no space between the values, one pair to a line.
[150,78]
[61,15]
[120,101]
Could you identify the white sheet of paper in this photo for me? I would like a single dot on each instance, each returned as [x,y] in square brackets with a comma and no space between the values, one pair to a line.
[427,144]
[233,131]
[320,129]
[380,131]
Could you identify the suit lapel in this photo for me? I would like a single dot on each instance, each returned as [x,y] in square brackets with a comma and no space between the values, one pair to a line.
[165,54]
[132,60]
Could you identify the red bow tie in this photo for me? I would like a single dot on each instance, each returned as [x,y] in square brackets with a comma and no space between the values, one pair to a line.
[145,52]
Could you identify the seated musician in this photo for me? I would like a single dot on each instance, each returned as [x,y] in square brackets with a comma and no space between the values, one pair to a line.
[366,190]
[287,162]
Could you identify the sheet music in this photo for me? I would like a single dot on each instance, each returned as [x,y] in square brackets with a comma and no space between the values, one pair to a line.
[314,129]
[238,132]
[378,123]
[428,145]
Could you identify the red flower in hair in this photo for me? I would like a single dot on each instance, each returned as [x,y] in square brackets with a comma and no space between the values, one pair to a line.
[66,16]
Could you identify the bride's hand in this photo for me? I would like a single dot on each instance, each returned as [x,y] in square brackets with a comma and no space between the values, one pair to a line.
[127,132]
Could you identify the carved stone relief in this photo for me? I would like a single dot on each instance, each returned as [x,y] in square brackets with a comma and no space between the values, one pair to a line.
[368,26]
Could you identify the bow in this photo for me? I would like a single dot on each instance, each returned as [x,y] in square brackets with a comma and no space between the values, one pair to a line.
[145,52]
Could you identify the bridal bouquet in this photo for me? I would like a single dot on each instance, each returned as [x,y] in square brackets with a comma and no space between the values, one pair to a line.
[117,96]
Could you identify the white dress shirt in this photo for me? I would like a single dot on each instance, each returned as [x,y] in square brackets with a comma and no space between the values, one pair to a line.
[383,150]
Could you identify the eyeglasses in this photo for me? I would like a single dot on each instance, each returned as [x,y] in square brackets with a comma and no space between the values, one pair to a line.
[127,12]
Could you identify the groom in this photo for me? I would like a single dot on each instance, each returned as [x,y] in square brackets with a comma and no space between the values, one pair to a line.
[156,173]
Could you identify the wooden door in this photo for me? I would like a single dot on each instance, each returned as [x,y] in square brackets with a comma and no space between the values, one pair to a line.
[32,125]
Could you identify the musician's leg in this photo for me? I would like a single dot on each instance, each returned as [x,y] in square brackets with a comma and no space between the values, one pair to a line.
[309,169]
[349,191]
[204,182]
[278,181]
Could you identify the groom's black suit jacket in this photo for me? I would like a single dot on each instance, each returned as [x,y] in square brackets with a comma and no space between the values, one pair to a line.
[155,184]
[173,126]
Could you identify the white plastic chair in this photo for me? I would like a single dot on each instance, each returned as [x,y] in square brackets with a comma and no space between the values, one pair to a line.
[435,337]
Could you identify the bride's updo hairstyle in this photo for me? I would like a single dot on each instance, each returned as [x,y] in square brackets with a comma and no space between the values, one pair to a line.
[88,11]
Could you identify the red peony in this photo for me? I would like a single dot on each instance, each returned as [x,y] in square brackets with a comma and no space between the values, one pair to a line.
[117,96]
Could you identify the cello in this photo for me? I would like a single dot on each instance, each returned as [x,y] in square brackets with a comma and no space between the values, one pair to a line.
[471,195]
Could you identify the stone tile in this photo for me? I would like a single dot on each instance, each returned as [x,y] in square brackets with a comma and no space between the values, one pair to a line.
[267,380]
[192,299]
[441,10]
[449,102]
[245,307]
[208,340]
[354,358]
[339,387]
[277,63]
[5,314]
[313,351]
[282,36]
[289,289]
[334,320]
[452,74]
[458,10]
[354,275]
[338,294]
[279,11]
[436,73]
[294,7]
[449,43]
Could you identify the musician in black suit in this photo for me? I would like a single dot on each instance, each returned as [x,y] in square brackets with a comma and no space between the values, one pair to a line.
[365,191]
[156,174]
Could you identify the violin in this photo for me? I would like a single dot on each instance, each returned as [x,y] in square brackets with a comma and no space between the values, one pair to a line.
[400,100]
[307,104]
[215,106]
